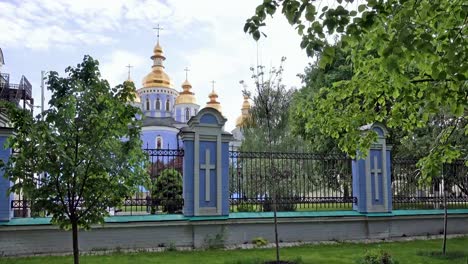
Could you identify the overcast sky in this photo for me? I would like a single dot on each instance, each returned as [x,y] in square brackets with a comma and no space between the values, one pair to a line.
[205,35]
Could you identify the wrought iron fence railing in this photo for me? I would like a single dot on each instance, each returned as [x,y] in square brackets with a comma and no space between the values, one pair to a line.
[162,193]
[298,181]
[410,191]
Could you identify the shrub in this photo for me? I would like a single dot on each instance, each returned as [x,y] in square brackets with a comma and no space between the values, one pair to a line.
[377,257]
[259,241]
[169,190]
[281,205]
[216,241]
[245,207]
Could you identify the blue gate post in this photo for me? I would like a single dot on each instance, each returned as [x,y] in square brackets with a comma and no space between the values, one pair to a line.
[206,165]
[372,183]
[5,196]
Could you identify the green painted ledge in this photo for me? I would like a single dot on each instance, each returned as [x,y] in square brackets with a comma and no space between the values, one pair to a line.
[246,215]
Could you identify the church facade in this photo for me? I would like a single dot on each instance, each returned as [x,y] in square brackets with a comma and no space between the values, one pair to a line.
[166,110]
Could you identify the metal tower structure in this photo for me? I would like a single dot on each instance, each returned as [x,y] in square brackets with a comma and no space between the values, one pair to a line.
[20,94]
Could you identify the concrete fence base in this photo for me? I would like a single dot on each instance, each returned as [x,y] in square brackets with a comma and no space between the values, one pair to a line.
[48,239]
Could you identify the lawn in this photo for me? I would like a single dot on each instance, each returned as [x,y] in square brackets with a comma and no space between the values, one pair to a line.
[412,252]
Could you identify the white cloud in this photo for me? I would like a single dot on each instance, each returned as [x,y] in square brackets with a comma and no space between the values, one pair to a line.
[113,66]
[214,44]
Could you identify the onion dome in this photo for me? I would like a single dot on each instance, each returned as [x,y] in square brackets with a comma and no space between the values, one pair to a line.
[245,104]
[213,103]
[136,95]
[240,121]
[186,96]
[157,77]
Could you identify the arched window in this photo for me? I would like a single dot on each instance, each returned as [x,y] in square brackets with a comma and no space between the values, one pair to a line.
[147,104]
[187,114]
[158,104]
[167,105]
[159,142]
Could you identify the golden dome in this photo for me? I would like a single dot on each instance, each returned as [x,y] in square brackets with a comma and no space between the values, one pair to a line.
[186,96]
[213,103]
[158,51]
[137,97]
[246,103]
[157,77]
[240,121]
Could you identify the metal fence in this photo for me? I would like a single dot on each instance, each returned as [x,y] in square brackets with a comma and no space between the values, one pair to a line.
[153,199]
[298,181]
[165,169]
[411,192]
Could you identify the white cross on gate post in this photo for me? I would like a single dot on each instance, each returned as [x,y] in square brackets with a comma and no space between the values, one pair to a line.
[375,172]
[207,167]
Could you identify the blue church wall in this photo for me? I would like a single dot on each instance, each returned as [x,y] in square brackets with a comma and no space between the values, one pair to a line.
[178,114]
[180,111]
[213,181]
[169,139]
[162,98]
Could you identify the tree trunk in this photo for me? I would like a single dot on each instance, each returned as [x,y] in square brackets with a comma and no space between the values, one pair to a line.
[275,210]
[76,251]
[444,247]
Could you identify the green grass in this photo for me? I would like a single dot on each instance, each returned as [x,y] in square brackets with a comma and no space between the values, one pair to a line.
[413,252]
[302,207]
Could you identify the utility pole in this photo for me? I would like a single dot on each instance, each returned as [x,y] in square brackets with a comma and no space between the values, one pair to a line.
[42,93]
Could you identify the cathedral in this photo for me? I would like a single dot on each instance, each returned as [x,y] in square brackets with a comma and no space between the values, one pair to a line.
[166,110]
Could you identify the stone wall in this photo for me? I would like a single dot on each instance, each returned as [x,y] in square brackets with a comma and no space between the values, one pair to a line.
[48,239]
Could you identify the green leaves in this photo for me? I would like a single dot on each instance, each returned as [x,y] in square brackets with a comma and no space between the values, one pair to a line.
[310,13]
[88,145]
[327,57]
[361,8]
[408,68]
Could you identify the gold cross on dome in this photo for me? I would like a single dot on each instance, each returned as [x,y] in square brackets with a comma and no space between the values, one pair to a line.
[186,72]
[158,28]
[129,67]
[212,85]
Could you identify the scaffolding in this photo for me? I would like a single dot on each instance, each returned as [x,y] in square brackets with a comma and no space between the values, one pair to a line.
[19,94]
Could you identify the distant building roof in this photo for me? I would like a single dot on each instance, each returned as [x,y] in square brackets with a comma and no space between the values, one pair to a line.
[161,121]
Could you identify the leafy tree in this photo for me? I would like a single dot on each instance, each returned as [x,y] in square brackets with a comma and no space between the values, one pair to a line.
[314,79]
[407,54]
[88,145]
[255,130]
[409,62]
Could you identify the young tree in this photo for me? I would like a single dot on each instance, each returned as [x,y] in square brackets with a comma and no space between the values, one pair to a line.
[269,121]
[255,129]
[409,62]
[88,145]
